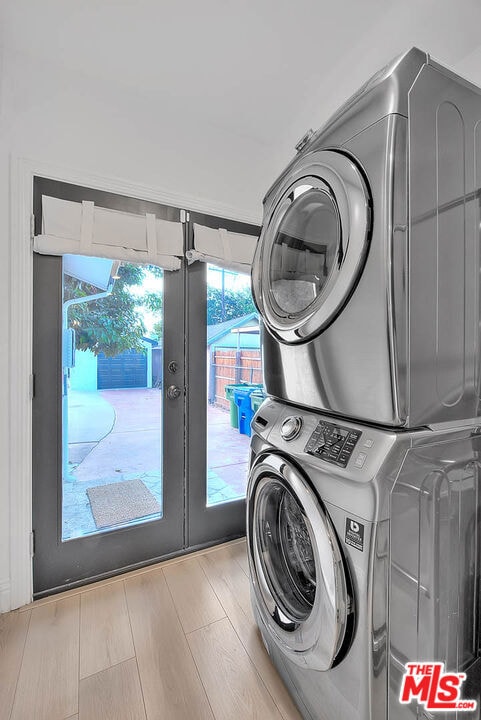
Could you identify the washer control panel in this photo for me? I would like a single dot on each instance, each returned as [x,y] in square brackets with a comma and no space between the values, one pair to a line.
[332,443]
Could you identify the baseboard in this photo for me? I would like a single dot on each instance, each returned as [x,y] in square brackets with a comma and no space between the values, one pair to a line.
[4,596]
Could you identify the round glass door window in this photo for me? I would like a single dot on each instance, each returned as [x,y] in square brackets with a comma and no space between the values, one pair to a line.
[305,249]
[313,245]
[286,552]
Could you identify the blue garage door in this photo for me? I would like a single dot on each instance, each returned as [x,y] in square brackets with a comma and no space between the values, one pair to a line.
[127,370]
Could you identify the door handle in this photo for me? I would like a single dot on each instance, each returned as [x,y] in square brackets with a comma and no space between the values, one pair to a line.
[173,392]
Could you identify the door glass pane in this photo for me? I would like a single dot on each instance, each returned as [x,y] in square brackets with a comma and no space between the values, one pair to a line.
[234,382]
[111,395]
[304,250]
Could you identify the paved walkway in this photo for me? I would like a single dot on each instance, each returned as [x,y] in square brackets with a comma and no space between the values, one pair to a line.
[90,419]
[132,444]
[227,458]
[114,435]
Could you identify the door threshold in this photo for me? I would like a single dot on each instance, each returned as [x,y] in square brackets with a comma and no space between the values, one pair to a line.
[54,594]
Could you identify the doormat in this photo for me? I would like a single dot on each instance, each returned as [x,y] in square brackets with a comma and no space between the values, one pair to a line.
[121,502]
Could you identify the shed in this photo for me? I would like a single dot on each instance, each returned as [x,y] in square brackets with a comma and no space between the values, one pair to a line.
[238,333]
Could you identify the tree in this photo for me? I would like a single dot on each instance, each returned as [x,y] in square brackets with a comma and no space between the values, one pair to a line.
[111,324]
[155,303]
[228,304]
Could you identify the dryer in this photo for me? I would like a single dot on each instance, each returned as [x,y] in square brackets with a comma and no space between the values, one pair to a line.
[365,554]
[366,272]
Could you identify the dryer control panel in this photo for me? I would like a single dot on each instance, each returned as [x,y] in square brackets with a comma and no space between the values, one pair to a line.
[332,443]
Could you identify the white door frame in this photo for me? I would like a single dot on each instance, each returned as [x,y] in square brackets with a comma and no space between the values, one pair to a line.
[22,172]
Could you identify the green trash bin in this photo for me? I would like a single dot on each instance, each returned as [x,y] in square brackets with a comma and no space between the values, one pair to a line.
[257,398]
[233,408]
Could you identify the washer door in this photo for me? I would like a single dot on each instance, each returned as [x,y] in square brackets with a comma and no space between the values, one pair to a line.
[299,578]
[313,246]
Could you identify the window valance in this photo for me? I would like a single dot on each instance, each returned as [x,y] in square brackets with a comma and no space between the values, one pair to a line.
[233,251]
[82,228]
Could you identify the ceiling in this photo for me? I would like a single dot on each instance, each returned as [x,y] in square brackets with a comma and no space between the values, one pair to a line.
[262,69]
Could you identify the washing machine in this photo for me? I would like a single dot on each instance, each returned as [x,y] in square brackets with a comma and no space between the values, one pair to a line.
[366,273]
[364,547]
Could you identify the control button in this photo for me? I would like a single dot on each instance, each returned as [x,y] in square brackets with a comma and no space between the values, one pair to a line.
[369,442]
[360,460]
[291,428]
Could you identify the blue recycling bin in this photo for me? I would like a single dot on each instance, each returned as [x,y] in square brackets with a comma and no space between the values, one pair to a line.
[242,399]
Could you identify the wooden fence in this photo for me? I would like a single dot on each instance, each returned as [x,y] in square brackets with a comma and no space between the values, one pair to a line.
[232,367]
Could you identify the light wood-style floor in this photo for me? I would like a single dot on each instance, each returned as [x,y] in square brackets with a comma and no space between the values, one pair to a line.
[176,641]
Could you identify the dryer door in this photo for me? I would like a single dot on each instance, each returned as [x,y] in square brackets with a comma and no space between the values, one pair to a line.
[300,580]
[313,245]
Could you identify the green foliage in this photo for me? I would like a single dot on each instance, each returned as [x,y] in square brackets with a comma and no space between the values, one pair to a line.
[154,302]
[227,305]
[113,323]
[158,330]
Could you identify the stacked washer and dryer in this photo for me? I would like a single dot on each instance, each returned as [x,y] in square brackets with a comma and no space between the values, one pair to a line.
[364,498]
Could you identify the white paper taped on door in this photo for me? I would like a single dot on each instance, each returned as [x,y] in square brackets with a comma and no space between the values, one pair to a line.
[85,229]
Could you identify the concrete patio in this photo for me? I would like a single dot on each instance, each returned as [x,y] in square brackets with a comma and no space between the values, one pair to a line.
[115,435]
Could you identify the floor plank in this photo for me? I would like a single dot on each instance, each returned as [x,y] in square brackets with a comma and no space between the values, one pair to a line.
[239,552]
[112,694]
[233,685]
[196,603]
[228,579]
[105,635]
[170,682]
[13,632]
[233,590]
[48,682]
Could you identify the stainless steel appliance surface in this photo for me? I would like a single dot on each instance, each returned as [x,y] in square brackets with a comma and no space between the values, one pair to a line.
[366,273]
[365,554]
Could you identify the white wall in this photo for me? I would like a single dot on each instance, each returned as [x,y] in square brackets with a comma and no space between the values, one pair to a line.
[4,364]
[80,122]
[51,116]
[83,376]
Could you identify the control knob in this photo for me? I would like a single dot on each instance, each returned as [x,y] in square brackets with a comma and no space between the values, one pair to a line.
[291,427]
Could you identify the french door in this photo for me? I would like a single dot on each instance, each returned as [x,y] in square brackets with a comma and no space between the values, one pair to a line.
[219,454]
[120,414]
